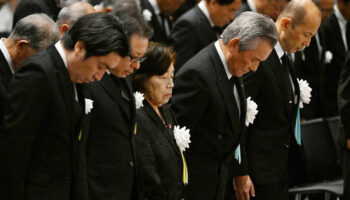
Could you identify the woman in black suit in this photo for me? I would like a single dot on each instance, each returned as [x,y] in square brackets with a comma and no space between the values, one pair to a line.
[161,164]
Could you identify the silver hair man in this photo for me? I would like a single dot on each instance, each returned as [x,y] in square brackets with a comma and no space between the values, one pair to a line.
[249,26]
[31,34]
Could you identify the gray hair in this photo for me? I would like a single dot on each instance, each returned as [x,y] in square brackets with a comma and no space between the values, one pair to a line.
[70,14]
[248,27]
[39,29]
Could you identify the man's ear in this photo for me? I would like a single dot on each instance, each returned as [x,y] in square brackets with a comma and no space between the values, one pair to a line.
[285,23]
[233,45]
[79,50]
[64,28]
[22,47]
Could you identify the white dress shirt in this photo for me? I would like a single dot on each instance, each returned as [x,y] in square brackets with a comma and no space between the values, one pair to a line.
[6,53]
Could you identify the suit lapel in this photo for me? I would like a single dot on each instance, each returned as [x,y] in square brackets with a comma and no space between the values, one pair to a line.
[209,31]
[66,85]
[242,96]
[226,89]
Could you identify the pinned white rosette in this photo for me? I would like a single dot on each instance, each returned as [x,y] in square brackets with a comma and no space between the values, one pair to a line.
[182,137]
[138,99]
[252,110]
[147,15]
[88,105]
[305,92]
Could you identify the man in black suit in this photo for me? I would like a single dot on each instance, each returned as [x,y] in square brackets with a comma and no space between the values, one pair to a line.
[196,29]
[337,43]
[271,148]
[158,14]
[309,63]
[110,148]
[209,99]
[271,8]
[49,7]
[36,157]
[31,34]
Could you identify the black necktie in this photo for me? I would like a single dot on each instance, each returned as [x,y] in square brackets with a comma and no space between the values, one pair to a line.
[287,65]
[347,32]
[236,105]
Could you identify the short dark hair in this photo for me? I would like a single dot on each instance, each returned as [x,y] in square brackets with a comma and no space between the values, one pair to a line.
[158,60]
[222,2]
[134,23]
[102,33]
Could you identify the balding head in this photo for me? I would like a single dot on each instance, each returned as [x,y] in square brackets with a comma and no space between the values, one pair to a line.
[297,24]
[69,15]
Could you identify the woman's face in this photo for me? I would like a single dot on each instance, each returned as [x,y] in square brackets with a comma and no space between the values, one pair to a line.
[159,88]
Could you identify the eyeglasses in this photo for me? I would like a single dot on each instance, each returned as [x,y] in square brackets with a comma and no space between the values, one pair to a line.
[137,59]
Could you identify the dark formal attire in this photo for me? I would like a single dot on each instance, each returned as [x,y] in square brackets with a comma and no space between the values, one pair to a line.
[110,148]
[334,44]
[204,101]
[344,133]
[28,7]
[159,157]
[5,76]
[186,6]
[158,22]
[36,148]
[244,7]
[271,148]
[308,65]
[190,34]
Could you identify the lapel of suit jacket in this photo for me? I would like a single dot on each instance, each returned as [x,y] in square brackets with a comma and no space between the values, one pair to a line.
[5,72]
[164,129]
[129,96]
[275,64]
[338,39]
[84,126]
[296,92]
[208,28]
[243,100]
[226,89]
[65,83]
[116,93]
[154,19]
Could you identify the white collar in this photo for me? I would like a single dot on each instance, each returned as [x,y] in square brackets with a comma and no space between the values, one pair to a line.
[59,48]
[6,54]
[251,5]
[279,50]
[205,11]
[223,60]
[339,16]
[155,6]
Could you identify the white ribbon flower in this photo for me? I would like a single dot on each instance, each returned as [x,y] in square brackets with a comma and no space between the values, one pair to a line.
[305,92]
[138,99]
[328,57]
[252,110]
[88,105]
[182,137]
[147,15]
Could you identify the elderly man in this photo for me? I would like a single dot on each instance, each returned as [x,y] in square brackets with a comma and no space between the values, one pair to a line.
[36,154]
[309,65]
[158,14]
[199,27]
[70,14]
[31,34]
[272,149]
[209,99]
[49,7]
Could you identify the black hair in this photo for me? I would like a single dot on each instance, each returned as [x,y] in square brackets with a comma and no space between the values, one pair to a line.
[222,2]
[101,33]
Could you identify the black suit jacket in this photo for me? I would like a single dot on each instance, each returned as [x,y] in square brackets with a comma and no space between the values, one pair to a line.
[308,65]
[160,160]
[110,149]
[28,7]
[159,34]
[190,34]
[270,141]
[204,102]
[244,7]
[36,148]
[5,76]
[331,73]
